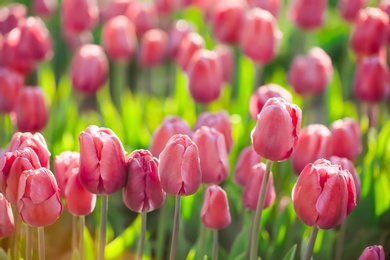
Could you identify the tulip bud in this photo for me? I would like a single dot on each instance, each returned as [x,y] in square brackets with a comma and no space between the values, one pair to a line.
[246,160]
[170,126]
[38,201]
[260,35]
[346,136]
[6,218]
[311,74]
[119,38]
[272,6]
[44,8]
[112,8]
[143,15]
[250,195]
[179,166]
[215,211]
[89,69]
[263,93]
[213,155]
[349,9]
[307,14]
[166,7]
[373,253]
[153,47]
[178,32]
[10,16]
[31,111]
[324,194]
[79,15]
[64,164]
[315,142]
[226,59]
[143,192]
[277,129]
[188,46]
[384,5]
[11,83]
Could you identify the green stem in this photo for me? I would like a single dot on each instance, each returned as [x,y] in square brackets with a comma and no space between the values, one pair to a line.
[310,244]
[258,67]
[142,236]
[258,213]
[215,244]
[236,75]
[17,237]
[28,242]
[81,237]
[103,224]
[41,243]
[340,241]
[202,241]
[161,229]
[119,82]
[176,223]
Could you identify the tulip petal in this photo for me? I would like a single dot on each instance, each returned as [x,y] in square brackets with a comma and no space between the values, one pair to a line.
[89,163]
[170,168]
[190,170]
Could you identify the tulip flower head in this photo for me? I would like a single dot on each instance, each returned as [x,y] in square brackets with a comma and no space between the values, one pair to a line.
[349,9]
[153,47]
[307,14]
[79,15]
[11,16]
[112,8]
[246,160]
[11,84]
[215,213]
[178,32]
[143,15]
[226,59]
[346,136]
[272,6]
[191,43]
[44,8]
[6,218]
[64,164]
[373,253]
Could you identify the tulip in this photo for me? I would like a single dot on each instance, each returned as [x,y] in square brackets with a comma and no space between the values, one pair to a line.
[272,6]
[102,166]
[178,32]
[143,15]
[166,7]
[89,69]
[384,5]
[348,165]
[10,16]
[349,9]
[277,129]
[315,142]
[346,136]
[6,218]
[44,8]
[373,253]
[188,46]
[246,160]
[215,212]
[307,14]
[153,47]
[263,93]
[112,8]
[64,164]
[75,40]
[79,15]
[11,83]
[226,59]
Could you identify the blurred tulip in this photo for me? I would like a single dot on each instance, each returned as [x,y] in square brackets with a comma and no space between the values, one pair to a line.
[272,6]
[11,83]
[348,165]
[10,16]
[215,213]
[112,8]
[346,136]
[166,7]
[64,164]
[38,200]
[44,8]
[207,7]
[311,74]
[153,48]
[307,14]
[119,38]
[246,160]
[213,155]
[324,194]
[263,93]
[102,166]
[170,126]
[189,45]
[143,15]
[89,69]
[79,15]
[315,142]
[226,59]
[260,35]
[31,110]
[384,5]
[349,9]
[6,218]
[178,32]
[74,40]
[180,172]
[250,195]
[373,253]
[143,192]
[277,129]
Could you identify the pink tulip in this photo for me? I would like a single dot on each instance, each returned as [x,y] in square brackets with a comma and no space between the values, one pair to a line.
[307,14]
[11,83]
[102,166]
[64,164]
[44,8]
[346,136]
[180,172]
[178,32]
[6,218]
[79,15]
[324,194]
[373,253]
[166,7]
[143,192]
[10,16]
[153,47]
[277,129]
[143,15]
[112,8]
[384,5]
[225,56]
[349,9]
[189,45]
[348,165]
[272,6]
[215,211]
[246,160]
[74,40]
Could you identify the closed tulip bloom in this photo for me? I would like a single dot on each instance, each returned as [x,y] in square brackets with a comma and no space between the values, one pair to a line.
[277,129]
[246,160]
[188,46]
[112,8]
[79,201]
[153,48]
[260,35]
[349,9]
[272,6]
[6,218]
[89,69]
[384,5]
[102,166]
[44,8]
[166,7]
[215,213]
[179,166]
[143,192]
[315,142]
[64,164]
[79,15]
[311,74]
[178,32]
[250,195]
[170,126]
[348,165]
[324,194]
[373,253]
[11,83]
[10,16]
[226,59]
[143,15]
[307,14]
[38,201]
[346,136]
[263,93]
[371,83]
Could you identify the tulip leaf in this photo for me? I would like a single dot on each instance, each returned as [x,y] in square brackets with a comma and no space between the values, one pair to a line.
[335,105]
[291,253]
[4,255]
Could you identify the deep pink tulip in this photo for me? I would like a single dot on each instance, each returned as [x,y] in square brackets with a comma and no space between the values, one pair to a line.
[119,38]
[170,126]
[324,194]
[178,32]
[384,5]
[6,218]
[143,15]
[213,155]
[79,15]
[226,59]
[310,74]
[11,83]
[10,16]
[31,110]
[346,136]
[44,8]
[272,6]
[64,164]
[190,44]
[143,192]
[179,166]
[373,253]
[215,213]
[112,8]
[263,93]
[307,14]
[315,142]
[79,201]
[166,7]
[246,160]
[349,9]
[74,40]
[277,129]
[153,47]
[102,166]
[89,68]
[260,35]
[38,200]
[250,195]
[219,120]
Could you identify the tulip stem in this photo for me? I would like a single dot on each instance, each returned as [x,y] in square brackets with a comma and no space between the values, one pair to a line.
[81,237]
[310,244]
[340,241]
[236,75]
[28,242]
[202,241]
[257,82]
[215,244]
[41,243]
[259,210]
[118,85]
[175,234]
[103,224]
[17,237]
[74,233]
[142,236]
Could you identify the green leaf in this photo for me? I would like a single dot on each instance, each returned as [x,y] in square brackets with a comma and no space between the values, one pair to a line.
[291,253]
